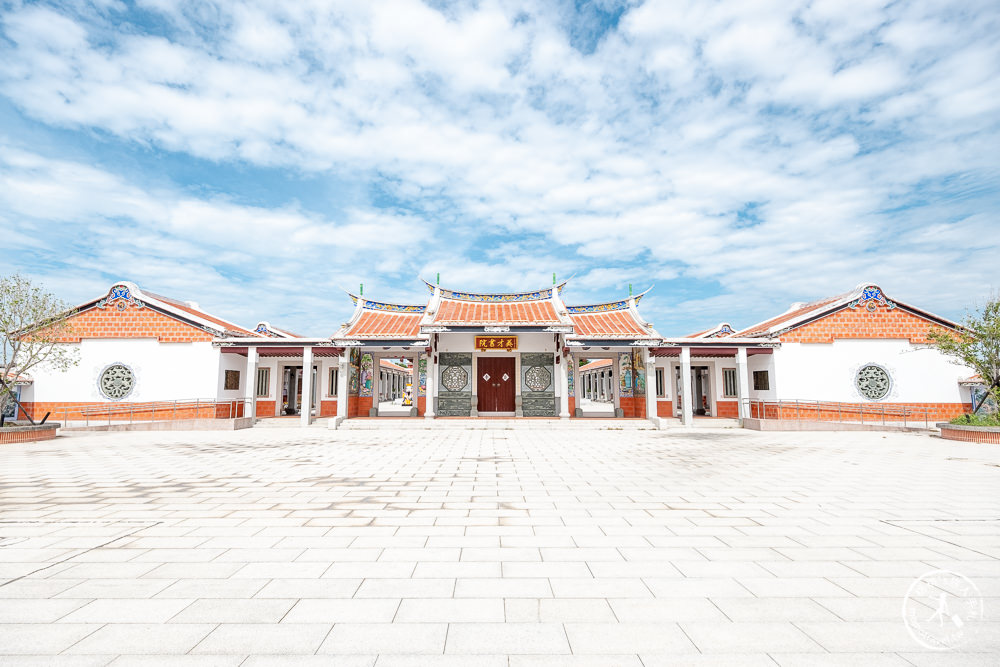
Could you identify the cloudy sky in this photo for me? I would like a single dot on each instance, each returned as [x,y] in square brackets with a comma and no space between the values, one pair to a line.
[256,157]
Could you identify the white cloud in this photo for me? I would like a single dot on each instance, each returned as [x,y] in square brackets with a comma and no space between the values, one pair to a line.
[835,126]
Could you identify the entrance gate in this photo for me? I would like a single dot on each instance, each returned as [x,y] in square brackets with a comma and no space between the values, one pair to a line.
[495,388]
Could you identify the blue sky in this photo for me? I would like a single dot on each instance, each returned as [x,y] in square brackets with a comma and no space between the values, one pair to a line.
[256,157]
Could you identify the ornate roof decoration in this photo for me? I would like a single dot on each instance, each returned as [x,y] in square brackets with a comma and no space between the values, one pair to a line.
[121,297]
[871,297]
[598,307]
[497,297]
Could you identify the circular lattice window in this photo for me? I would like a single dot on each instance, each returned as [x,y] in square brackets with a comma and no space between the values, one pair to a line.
[116,381]
[454,378]
[537,378]
[873,382]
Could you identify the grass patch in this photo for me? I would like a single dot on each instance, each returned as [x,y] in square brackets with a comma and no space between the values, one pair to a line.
[977,420]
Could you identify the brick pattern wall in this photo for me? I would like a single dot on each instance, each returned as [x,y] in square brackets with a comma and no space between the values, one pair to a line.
[633,406]
[861,323]
[266,408]
[964,435]
[664,408]
[133,322]
[10,437]
[727,409]
[936,412]
[421,405]
[328,408]
[63,411]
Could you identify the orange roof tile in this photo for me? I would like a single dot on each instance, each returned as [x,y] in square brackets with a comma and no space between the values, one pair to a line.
[596,363]
[385,324]
[188,308]
[454,311]
[789,316]
[608,324]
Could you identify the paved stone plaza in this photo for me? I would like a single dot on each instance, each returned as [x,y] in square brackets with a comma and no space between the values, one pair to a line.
[491,547]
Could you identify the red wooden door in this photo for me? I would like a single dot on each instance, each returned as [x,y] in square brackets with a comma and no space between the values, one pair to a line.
[495,384]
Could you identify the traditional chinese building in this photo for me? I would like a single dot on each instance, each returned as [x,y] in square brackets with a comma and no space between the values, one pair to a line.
[473,354]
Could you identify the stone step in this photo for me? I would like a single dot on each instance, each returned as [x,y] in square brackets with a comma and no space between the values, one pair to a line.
[487,424]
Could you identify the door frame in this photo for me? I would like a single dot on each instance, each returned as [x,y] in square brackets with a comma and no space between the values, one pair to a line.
[515,358]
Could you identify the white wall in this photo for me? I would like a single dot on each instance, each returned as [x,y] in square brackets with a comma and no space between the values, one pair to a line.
[764,362]
[826,371]
[163,371]
[231,362]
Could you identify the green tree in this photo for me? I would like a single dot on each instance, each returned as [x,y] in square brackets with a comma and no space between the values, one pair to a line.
[32,322]
[976,345]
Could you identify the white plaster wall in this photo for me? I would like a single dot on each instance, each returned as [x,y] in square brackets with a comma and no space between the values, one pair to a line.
[764,362]
[163,371]
[827,371]
[231,362]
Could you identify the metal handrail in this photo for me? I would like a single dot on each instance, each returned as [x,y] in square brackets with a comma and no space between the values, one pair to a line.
[133,412]
[876,413]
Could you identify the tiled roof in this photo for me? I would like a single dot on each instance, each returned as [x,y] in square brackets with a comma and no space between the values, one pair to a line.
[392,365]
[796,312]
[384,324]
[720,330]
[609,324]
[597,363]
[523,313]
[198,312]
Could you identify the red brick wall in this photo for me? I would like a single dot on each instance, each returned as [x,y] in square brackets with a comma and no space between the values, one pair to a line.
[133,322]
[123,411]
[664,408]
[421,405]
[633,406]
[572,406]
[10,436]
[365,404]
[964,435]
[853,411]
[266,408]
[328,408]
[861,323]
[729,409]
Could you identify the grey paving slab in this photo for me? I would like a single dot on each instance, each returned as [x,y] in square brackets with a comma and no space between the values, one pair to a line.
[497,546]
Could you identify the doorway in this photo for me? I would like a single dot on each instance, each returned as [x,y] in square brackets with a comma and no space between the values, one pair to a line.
[496,385]
[291,390]
[701,403]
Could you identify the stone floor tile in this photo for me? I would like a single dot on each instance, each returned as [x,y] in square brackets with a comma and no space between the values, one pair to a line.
[222,610]
[213,588]
[177,661]
[502,588]
[272,638]
[603,588]
[696,588]
[309,661]
[576,610]
[343,611]
[42,639]
[20,610]
[308,588]
[451,610]
[840,660]
[386,638]
[575,661]
[747,610]
[127,611]
[749,637]
[861,636]
[623,638]
[666,610]
[406,588]
[506,638]
[142,638]
[774,587]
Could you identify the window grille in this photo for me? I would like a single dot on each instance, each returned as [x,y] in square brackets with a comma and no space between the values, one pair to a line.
[333,382]
[661,387]
[760,381]
[729,382]
[263,381]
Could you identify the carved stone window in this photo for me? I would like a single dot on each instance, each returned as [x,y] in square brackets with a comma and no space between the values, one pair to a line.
[116,381]
[873,382]
[454,378]
[538,378]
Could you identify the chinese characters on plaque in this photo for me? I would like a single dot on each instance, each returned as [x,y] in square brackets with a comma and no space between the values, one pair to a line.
[496,343]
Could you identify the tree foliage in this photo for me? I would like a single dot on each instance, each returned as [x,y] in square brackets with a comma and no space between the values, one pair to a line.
[976,345]
[32,321]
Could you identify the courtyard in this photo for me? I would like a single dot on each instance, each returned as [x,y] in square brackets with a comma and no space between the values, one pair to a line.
[534,546]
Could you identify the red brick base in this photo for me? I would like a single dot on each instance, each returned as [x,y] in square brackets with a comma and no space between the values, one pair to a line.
[9,436]
[970,434]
